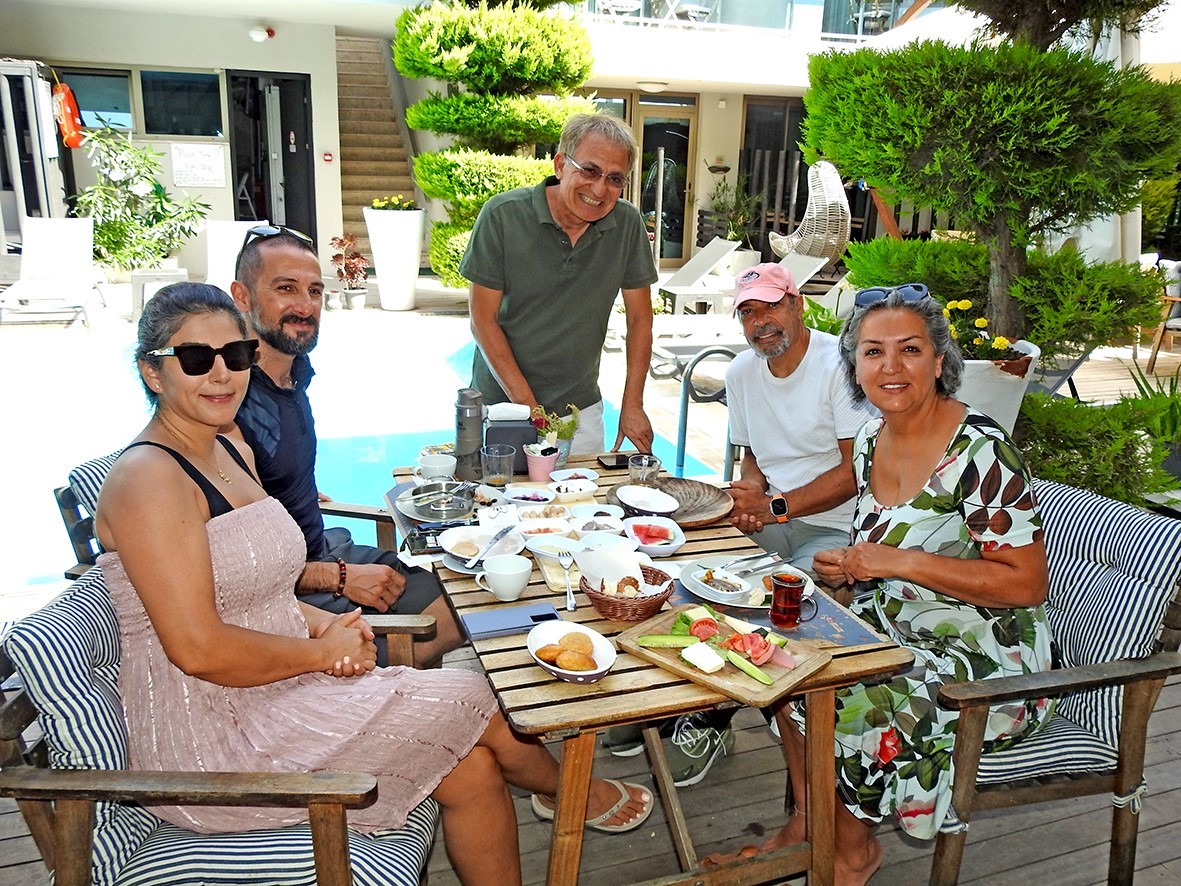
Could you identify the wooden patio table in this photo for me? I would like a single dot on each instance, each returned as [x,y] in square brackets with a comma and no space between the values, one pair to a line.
[535,703]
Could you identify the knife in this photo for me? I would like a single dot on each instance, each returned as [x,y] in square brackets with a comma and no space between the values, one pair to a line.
[775,560]
[759,556]
[492,541]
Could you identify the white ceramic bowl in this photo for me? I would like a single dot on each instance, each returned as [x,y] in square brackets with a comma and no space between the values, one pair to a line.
[550,511]
[512,543]
[546,547]
[640,500]
[569,490]
[661,549]
[549,632]
[564,474]
[544,528]
[740,595]
[589,525]
[594,540]
[587,511]
[530,496]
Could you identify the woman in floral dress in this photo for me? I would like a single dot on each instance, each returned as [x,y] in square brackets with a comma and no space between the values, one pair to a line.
[946,531]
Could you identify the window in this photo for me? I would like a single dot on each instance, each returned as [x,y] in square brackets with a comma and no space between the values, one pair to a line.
[181,103]
[103,97]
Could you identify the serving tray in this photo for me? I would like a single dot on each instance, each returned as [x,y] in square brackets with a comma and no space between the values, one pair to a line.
[729,680]
[701,504]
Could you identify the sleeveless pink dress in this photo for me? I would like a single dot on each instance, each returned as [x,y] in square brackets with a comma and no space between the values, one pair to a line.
[407,727]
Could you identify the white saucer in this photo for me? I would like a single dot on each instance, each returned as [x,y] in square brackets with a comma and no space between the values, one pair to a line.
[457,566]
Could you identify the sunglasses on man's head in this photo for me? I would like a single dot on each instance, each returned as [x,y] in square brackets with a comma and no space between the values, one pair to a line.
[266,232]
[875,294]
[198,359]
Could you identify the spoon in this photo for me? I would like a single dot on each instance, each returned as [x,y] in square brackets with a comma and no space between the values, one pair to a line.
[566,560]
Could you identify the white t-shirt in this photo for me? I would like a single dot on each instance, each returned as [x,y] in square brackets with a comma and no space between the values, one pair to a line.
[792,424]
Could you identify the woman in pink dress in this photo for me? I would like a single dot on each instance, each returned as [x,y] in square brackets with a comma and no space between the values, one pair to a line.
[223,669]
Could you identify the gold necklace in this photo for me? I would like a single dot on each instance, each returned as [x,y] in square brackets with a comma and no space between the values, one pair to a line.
[183,443]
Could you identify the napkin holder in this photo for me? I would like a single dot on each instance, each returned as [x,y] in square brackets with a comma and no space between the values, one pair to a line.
[514,433]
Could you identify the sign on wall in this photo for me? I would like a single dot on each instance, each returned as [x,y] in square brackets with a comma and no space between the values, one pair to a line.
[198,165]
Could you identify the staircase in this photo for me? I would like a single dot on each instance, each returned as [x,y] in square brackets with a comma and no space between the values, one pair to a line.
[373,161]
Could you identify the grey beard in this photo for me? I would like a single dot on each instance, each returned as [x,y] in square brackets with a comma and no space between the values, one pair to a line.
[283,343]
[778,349]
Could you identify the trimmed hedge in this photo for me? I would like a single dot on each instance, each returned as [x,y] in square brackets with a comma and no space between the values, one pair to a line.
[448,242]
[498,123]
[505,51]
[468,179]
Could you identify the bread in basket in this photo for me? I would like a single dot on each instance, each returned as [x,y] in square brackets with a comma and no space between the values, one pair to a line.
[631,608]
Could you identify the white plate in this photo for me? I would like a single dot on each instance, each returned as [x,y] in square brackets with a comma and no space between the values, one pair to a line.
[457,566]
[495,496]
[543,528]
[479,536]
[572,490]
[561,476]
[547,546]
[705,592]
[658,550]
[528,496]
[534,512]
[589,511]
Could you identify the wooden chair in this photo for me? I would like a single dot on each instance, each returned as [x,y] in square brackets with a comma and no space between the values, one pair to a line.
[1170,324]
[77,502]
[83,808]
[824,230]
[1114,605]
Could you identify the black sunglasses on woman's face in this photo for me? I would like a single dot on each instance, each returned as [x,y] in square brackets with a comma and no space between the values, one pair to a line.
[198,359]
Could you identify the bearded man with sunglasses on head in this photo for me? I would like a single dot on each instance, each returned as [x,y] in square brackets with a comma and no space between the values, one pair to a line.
[279,287]
[546,264]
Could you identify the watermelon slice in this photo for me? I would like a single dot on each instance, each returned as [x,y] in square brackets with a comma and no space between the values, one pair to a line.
[648,534]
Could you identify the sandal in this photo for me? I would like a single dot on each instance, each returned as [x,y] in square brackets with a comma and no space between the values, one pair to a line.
[598,822]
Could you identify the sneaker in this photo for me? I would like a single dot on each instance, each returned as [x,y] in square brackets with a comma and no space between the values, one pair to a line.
[624,741]
[773,725]
[694,748]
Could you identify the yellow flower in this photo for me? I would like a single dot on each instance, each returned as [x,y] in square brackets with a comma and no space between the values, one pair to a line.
[946,312]
[954,334]
[981,322]
[977,340]
[965,305]
[1000,342]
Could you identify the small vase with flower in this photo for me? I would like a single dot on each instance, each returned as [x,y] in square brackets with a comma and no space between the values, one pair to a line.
[556,430]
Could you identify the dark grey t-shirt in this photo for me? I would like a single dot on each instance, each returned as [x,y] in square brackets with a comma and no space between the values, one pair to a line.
[557,298]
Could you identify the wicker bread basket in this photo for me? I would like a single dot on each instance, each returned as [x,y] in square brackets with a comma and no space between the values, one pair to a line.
[631,608]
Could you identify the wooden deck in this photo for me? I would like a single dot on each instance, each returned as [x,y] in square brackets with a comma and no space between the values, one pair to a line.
[1063,843]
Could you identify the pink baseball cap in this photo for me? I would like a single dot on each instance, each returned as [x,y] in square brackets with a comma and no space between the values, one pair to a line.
[768,282]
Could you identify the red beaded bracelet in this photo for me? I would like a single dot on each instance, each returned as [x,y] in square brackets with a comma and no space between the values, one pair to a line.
[344,571]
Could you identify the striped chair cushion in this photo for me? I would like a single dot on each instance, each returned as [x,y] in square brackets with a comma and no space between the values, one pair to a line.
[1058,748]
[87,479]
[68,658]
[1113,571]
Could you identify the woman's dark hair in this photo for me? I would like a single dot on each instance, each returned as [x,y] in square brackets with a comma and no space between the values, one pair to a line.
[167,311]
[938,330]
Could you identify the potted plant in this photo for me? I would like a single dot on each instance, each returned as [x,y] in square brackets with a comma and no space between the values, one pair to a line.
[732,214]
[395,226]
[350,269]
[556,430]
[1157,402]
[137,223]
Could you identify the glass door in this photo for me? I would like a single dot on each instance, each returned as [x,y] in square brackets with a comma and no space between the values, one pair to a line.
[667,122]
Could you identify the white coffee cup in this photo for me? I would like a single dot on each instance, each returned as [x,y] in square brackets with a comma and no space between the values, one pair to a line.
[435,467]
[506,576]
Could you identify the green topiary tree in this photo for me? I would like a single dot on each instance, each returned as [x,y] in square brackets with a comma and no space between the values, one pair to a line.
[1014,141]
[496,59]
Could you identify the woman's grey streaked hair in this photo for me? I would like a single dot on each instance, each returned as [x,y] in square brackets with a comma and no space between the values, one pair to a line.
[610,128]
[938,330]
[168,310]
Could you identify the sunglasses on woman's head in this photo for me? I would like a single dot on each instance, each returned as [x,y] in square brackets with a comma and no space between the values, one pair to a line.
[198,359]
[875,294]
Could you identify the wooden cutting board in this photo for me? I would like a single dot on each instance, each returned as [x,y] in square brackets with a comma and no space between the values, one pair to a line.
[701,504]
[729,680]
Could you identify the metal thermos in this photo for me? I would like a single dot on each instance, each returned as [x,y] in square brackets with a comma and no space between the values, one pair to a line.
[469,434]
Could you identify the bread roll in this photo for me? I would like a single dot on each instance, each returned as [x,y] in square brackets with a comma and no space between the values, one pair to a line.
[576,641]
[575,661]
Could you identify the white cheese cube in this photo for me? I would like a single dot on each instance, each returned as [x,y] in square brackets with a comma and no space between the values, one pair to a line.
[703,657]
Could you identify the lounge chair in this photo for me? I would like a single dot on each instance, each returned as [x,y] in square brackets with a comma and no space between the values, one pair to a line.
[57,272]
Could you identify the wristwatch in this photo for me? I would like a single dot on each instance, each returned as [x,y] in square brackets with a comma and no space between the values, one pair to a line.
[779,509]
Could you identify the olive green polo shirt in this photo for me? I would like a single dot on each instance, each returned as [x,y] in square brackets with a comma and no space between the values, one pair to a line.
[557,298]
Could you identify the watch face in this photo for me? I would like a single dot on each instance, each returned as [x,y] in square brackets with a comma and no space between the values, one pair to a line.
[779,507]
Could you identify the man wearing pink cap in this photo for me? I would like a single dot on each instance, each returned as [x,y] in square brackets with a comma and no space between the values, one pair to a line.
[793,410]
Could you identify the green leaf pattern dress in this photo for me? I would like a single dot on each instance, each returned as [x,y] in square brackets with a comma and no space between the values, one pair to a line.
[893,741]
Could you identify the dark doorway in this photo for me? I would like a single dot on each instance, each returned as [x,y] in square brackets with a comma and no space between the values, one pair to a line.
[271,148]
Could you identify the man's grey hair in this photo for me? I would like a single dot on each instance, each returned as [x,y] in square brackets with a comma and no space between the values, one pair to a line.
[610,128]
[938,330]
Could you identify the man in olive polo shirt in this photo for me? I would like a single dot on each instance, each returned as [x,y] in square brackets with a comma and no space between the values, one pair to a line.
[546,264]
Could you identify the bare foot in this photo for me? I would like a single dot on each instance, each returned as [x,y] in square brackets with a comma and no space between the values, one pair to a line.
[857,868]
[791,834]
[603,796]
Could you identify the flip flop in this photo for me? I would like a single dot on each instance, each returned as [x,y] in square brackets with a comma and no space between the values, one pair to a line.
[597,823]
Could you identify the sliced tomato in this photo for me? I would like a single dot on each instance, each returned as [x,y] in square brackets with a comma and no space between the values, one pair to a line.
[704,628]
[735,643]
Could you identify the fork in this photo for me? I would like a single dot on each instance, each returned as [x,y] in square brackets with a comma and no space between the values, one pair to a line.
[432,497]
[566,560]
[772,560]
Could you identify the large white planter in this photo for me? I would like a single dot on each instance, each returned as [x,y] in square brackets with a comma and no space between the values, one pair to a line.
[998,394]
[396,239]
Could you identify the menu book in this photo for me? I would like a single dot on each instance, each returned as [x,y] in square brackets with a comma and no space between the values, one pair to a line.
[505,620]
